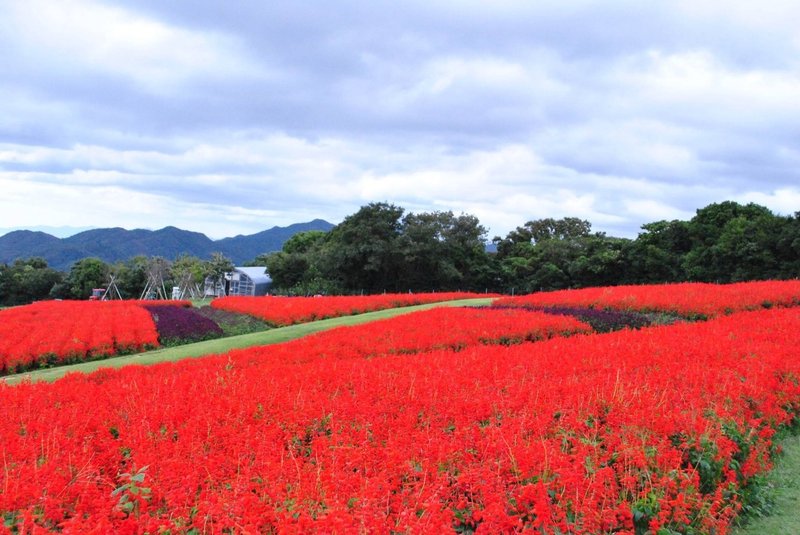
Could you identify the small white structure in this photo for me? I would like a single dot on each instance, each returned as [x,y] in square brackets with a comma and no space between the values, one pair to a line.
[251,281]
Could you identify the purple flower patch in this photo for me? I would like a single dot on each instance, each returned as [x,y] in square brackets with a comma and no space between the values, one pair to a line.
[178,325]
[602,321]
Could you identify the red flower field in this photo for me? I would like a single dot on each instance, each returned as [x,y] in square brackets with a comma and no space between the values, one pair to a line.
[289,310]
[58,332]
[417,426]
[689,299]
[439,328]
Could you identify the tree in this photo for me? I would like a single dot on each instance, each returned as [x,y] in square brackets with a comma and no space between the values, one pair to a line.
[787,245]
[296,267]
[187,272]
[657,255]
[600,261]
[540,254]
[304,242]
[158,278]
[727,243]
[568,228]
[5,284]
[517,243]
[378,249]
[362,252]
[746,249]
[551,260]
[286,270]
[131,276]
[85,275]
[27,280]
[442,251]
[217,267]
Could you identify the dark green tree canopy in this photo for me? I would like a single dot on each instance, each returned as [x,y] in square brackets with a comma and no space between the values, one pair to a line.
[303,242]
[27,280]
[362,252]
[734,242]
[383,248]
[84,276]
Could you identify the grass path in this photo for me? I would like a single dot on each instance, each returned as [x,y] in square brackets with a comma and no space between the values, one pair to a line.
[785,480]
[222,345]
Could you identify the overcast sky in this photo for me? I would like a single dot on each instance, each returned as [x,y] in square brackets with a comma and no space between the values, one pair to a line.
[232,117]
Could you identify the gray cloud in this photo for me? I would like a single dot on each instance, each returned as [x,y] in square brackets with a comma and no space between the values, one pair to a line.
[230,120]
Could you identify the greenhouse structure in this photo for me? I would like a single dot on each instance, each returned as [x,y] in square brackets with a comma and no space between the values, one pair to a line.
[241,281]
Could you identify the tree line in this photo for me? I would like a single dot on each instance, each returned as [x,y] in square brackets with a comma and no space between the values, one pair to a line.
[31,279]
[382,248]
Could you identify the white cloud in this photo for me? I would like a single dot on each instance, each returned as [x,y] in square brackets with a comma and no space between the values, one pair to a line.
[75,36]
[649,210]
[784,200]
[230,121]
[771,16]
[31,204]
[696,88]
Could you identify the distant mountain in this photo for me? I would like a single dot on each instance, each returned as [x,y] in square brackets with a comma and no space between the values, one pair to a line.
[241,247]
[26,243]
[115,244]
[58,232]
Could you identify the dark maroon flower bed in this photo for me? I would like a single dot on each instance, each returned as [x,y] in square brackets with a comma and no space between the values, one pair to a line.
[602,321]
[178,325]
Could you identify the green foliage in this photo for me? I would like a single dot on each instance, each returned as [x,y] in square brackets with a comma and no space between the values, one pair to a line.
[724,242]
[217,266]
[11,520]
[288,269]
[643,510]
[131,276]
[379,249]
[362,252]
[304,242]
[549,254]
[787,247]
[441,251]
[189,269]
[732,242]
[656,255]
[522,240]
[131,491]
[27,280]
[296,269]
[85,275]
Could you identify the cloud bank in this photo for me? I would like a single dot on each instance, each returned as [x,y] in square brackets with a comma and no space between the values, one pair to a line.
[229,120]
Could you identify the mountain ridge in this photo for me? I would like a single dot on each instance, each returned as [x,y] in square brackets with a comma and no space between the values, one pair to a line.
[117,244]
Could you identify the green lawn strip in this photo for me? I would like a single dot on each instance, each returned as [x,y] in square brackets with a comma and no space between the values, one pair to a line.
[222,345]
[785,482]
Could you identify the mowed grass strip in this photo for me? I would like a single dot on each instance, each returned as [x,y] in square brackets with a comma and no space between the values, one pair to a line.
[222,345]
[785,482]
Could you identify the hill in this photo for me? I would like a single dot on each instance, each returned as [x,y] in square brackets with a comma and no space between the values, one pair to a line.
[115,244]
[26,243]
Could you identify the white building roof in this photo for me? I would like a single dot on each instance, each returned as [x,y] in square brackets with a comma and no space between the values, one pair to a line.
[256,274]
